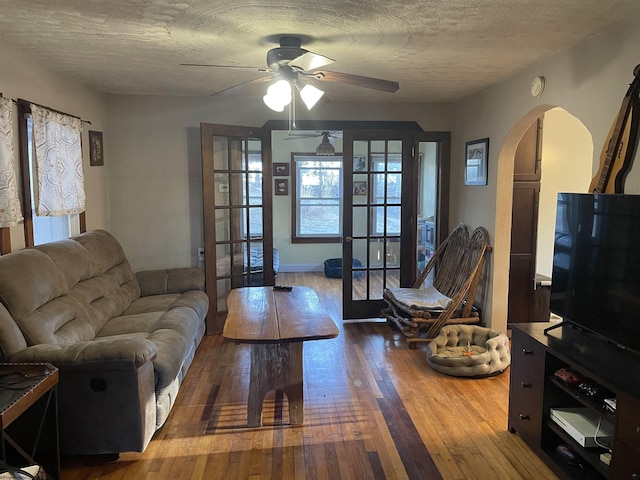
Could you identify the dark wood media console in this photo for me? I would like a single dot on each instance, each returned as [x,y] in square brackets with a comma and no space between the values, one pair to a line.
[535,391]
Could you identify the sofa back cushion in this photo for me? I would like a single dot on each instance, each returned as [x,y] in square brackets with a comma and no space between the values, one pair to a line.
[64,292]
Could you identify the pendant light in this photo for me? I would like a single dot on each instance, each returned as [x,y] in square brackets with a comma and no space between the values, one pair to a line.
[325,148]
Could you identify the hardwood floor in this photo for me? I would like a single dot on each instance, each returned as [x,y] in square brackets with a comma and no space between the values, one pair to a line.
[373,409]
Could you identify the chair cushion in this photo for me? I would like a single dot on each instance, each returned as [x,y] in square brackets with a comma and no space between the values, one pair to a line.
[428,298]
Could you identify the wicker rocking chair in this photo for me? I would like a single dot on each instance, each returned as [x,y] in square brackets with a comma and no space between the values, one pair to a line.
[456,268]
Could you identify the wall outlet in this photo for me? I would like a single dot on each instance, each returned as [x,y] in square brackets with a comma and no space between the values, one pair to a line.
[201,254]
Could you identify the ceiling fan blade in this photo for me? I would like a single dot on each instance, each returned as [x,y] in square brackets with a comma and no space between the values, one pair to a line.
[295,136]
[310,61]
[260,69]
[358,81]
[239,86]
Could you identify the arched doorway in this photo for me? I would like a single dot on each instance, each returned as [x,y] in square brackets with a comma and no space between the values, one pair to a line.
[568,144]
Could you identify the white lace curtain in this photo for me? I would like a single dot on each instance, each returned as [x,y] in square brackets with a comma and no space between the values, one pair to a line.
[10,211]
[57,162]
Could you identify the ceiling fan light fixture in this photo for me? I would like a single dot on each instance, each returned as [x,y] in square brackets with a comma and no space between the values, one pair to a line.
[310,95]
[325,148]
[278,95]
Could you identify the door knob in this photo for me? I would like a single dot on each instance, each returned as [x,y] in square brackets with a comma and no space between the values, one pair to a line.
[349,239]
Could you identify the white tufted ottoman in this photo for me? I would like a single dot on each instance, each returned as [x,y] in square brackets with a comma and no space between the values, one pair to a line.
[469,351]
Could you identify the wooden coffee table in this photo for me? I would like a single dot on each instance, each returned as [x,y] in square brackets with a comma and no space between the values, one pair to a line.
[276,323]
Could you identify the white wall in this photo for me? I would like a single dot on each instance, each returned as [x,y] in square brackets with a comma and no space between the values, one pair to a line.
[25,79]
[589,82]
[567,158]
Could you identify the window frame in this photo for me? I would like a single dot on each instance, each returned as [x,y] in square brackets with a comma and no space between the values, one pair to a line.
[295,203]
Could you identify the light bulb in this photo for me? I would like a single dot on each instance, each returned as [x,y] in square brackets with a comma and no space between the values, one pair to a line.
[310,95]
[278,95]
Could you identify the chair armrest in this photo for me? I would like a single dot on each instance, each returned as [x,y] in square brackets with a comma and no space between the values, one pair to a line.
[172,280]
[117,349]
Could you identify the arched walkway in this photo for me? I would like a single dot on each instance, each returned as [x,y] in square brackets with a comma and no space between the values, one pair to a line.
[504,194]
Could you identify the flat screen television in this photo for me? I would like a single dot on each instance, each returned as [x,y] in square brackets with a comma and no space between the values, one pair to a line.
[595,283]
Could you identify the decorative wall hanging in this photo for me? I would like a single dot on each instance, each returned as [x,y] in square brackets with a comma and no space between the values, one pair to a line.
[96,149]
[280,169]
[476,155]
[282,186]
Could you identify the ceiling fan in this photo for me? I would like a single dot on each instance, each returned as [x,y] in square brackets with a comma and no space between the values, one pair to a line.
[296,67]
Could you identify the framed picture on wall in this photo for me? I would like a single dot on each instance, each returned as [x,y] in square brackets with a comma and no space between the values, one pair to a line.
[96,150]
[359,188]
[280,169]
[282,186]
[476,155]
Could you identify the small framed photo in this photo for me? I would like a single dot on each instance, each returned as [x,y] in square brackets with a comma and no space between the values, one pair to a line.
[282,186]
[477,153]
[280,169]
[359,188]
[96,149]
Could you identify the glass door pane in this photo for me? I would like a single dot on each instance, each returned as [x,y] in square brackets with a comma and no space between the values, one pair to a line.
[427,202]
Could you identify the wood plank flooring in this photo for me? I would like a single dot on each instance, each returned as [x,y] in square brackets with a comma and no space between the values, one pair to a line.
[373,410]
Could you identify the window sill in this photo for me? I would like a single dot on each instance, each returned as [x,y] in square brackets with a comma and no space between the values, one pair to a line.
[316,239]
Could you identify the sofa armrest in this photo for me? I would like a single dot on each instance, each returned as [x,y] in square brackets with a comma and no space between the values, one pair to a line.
[117,349]
[173,280]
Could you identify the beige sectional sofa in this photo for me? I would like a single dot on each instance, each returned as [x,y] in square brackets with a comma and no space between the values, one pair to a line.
[122,341]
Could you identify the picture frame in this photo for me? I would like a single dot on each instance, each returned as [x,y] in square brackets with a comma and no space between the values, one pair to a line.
[280,169]
[281,186]
[96,149]
[359,188]
[476,155]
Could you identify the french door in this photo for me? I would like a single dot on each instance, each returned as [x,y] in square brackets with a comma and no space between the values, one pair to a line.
[377,248]
[236,190]
[396,189]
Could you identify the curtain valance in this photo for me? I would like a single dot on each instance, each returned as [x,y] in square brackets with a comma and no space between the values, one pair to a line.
[57,162]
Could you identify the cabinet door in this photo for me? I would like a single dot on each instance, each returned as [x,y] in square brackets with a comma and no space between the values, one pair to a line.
[522,268]
[526,388]
[527,159]
[626,452]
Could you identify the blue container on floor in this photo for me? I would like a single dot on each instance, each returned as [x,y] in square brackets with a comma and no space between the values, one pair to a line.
[333,268]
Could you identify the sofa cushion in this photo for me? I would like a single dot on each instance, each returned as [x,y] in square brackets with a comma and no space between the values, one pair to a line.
[19,294]
[196,300]
[173,332]
[103,248]
[11,338]
[73,260]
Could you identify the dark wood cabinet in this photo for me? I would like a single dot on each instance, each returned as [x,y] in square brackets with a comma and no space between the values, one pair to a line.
[527,378]
[535,390]
[524,225]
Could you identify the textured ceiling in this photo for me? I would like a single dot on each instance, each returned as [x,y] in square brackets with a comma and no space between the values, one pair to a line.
[438,50]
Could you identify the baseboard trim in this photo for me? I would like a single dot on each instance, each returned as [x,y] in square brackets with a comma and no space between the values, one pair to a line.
[301,267]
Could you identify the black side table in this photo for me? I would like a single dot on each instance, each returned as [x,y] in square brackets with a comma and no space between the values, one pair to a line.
[29,416]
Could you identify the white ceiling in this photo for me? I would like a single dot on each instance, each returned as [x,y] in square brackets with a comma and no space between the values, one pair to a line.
[438,50]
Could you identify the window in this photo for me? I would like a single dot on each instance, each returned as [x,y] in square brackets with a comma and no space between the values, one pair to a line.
[317,199]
